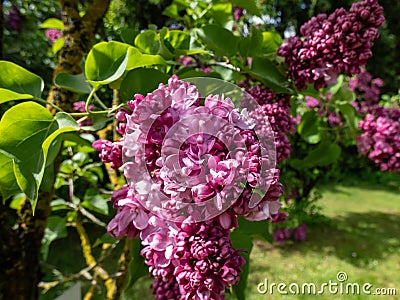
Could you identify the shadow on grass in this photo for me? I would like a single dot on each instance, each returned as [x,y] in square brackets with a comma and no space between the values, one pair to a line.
[389,182]
[358,238]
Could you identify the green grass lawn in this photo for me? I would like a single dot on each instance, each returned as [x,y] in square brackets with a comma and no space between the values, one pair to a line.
[361,236]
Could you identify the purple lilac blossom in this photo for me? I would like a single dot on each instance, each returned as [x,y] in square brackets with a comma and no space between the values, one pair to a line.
[300,232]
[334,44]
[188,259]
[380,138]
[332,116]
[282,234]
[13,21]
[53,34]
[368,92]
[276,107]
[238,13]
[80,106]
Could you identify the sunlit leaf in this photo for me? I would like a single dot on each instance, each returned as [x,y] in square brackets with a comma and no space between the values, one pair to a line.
[219,40]
[75,83]
[106,62]
[53,23]
[28,135]
[17,83]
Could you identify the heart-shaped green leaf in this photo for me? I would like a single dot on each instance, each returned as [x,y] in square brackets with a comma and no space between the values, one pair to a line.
[17,83]
[148,42]
[219,40]
[309,127]
[141,81]
[266,71]
[106,62]
[28,134]
[137,60]
[74,83]
[53,23]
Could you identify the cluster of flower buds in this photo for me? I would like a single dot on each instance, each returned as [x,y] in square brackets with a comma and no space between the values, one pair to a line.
[380,138]
[276,107]
[334,44]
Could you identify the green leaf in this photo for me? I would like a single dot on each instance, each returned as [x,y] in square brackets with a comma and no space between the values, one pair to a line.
[141,81]
[189,73]
[82,140]
[148,41]
[180,52]
[63,119]
[17,83]
[334,88]
[17,201]
[136,268]
[172,11]
[251,6]
[99,122]
[137,60]
[56,229]
[104,239]
[166,50]
[106,62]
[94,201]
[270,42]
[242,241]
[310,91]
[178,39]
[128,35]
[218,39]
[266,71]
[53,23]
[58,204]
[28,134]
[349,112]
[344,95]
[221,12]
[324,154]
[57,45]
[7,95]
[74,83]
[8,183]
[255,229]
[81,158]
[250,46]
[309,127]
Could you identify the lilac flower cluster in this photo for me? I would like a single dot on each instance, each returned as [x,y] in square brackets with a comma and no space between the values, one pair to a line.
[238,13]
[368,91]
[13,21]
[334,44]
[380,127]
[277,109]
[200,266]
[80,106]
[53,34]
[323,110]
[380,140]
[298,233]
[191,165]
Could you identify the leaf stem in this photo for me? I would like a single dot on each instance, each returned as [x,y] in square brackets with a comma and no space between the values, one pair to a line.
[103,106]
[48,103]
[92,92]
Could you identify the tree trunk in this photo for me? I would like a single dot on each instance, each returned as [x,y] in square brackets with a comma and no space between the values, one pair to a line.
[20,246]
